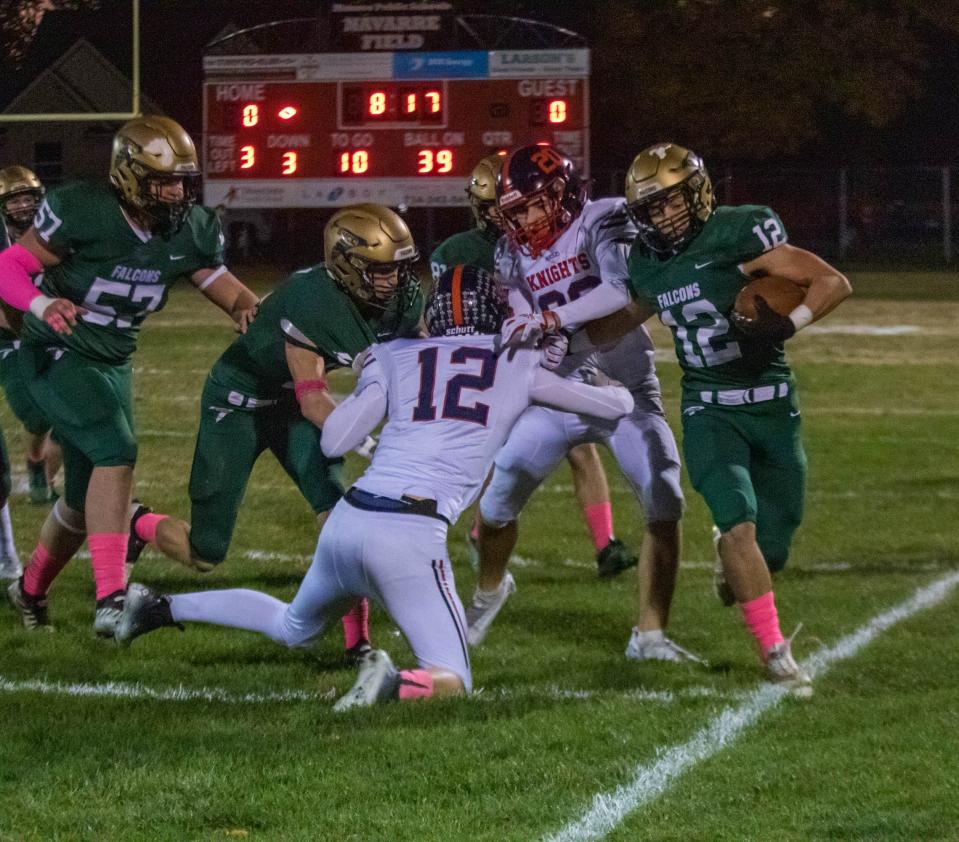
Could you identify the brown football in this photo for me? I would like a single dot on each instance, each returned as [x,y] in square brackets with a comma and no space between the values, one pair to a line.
[781,294]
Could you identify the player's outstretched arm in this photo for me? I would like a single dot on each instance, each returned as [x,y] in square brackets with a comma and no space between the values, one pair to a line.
[18,263]
[229,293]
[354,420]
[309,383]
[606,402]
[826,287]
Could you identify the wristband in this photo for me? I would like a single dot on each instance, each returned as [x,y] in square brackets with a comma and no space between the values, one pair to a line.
[39,304]
[304,387]
[801,317]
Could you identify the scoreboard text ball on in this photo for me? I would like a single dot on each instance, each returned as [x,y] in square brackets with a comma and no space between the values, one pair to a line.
[399,128]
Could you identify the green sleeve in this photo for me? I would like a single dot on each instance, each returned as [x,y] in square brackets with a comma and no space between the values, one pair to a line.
[69,217]
[208,240]
[755,229]
[318,317]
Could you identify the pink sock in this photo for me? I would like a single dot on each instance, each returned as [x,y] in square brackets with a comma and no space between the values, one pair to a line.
[147,527]
[763,620]
[108,554]
[415,684]
[41,571]
[599,518]
[356,624]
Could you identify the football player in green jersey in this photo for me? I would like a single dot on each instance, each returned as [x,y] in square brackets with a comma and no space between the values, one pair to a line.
[109,255]
[20,196]
[476,247]
[740,413]
[268,389]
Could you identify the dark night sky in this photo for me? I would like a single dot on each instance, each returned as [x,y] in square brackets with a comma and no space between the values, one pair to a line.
[174,33]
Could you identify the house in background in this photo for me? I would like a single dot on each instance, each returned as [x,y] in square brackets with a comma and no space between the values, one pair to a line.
[66,73]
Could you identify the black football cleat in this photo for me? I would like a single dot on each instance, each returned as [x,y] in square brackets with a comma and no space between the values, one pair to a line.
[614,558]
[145,611]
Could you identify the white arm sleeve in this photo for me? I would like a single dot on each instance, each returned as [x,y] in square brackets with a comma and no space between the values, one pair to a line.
[518,302]
[549,389]
[353,420]
[605,299]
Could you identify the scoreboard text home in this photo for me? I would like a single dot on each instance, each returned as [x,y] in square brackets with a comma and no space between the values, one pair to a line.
[319,130]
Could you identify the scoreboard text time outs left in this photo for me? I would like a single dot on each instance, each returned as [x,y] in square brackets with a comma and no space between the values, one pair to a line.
[397,128]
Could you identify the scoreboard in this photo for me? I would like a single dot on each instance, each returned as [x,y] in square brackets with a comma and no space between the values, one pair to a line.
[396,128]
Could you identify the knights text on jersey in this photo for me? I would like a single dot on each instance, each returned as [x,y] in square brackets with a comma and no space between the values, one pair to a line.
[451,403]
[694,293]
[471,248]
[310,311]
[592,251]
[118,274]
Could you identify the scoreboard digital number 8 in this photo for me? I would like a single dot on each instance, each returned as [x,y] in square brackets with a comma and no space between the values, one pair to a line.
[311,141]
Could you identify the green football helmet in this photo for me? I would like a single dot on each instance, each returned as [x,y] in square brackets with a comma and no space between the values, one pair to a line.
[149,152]
[362,240]
[658,175]
[21,187]
[481,192]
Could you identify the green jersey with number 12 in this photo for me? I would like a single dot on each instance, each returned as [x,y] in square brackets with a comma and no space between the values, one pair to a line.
[116,272]
[694,293]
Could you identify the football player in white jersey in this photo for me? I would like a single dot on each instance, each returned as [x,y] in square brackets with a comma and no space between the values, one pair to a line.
[561,247]
[450,402]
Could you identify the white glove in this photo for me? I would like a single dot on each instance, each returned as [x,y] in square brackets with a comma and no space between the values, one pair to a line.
[366,449]
[592,376]
[527,328]
[555,346]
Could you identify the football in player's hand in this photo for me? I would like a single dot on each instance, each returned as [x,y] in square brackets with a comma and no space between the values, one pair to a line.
[781,294]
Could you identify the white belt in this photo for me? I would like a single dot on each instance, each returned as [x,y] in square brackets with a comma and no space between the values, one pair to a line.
[245,401]
[740,397]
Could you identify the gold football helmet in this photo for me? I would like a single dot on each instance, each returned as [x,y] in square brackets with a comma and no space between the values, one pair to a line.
[362,240]
[150,153]
[481,192]
[658,175]
[19,183]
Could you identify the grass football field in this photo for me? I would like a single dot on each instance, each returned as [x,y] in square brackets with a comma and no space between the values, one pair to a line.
[221,734]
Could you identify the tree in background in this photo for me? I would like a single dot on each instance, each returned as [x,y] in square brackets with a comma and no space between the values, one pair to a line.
[20,20]
[750,79]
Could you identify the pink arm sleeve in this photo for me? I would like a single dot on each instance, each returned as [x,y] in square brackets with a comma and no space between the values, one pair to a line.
[16,266]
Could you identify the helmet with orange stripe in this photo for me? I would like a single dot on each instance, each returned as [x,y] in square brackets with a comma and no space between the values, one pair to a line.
[465,301]
[538,193]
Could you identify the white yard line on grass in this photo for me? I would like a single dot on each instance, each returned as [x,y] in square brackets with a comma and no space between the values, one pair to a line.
[650,780]
[125,690]
[180,693]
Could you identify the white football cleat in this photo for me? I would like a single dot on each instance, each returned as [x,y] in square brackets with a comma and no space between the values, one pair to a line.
[376,683]
[484,608]
[721,588]
[781,668]
[655,646]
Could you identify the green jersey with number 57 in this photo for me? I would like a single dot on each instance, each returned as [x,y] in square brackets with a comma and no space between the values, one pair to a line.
[118,273]
[694,293]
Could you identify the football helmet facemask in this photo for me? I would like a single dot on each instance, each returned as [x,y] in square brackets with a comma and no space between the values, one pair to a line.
[19,183]
[540,182]
[149,154]
[481,192]
[658,175]
[361,241]
[465,301]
